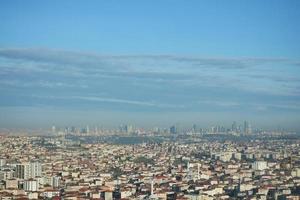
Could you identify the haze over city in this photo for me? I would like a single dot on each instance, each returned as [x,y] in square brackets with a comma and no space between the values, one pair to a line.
[150,100]
[149,63]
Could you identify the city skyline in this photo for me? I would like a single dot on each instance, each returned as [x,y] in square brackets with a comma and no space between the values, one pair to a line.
[149,63]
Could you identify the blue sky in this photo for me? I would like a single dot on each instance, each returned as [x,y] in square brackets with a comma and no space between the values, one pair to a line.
[149,63]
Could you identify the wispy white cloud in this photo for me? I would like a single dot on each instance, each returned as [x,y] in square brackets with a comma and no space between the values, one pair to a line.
[166,81]
[256,106]
[110,100]
[167,69]
[39,83]
[219,103]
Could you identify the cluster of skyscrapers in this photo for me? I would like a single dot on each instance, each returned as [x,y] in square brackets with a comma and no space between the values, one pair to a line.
[235,129]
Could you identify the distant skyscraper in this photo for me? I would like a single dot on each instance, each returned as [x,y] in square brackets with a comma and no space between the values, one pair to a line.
[121,128]
[213,129]
[73,129]
[234,127]
[87,129]
[249,131]
[53,129]
[247,128]
[194,128]
[173,129]
[129,128]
